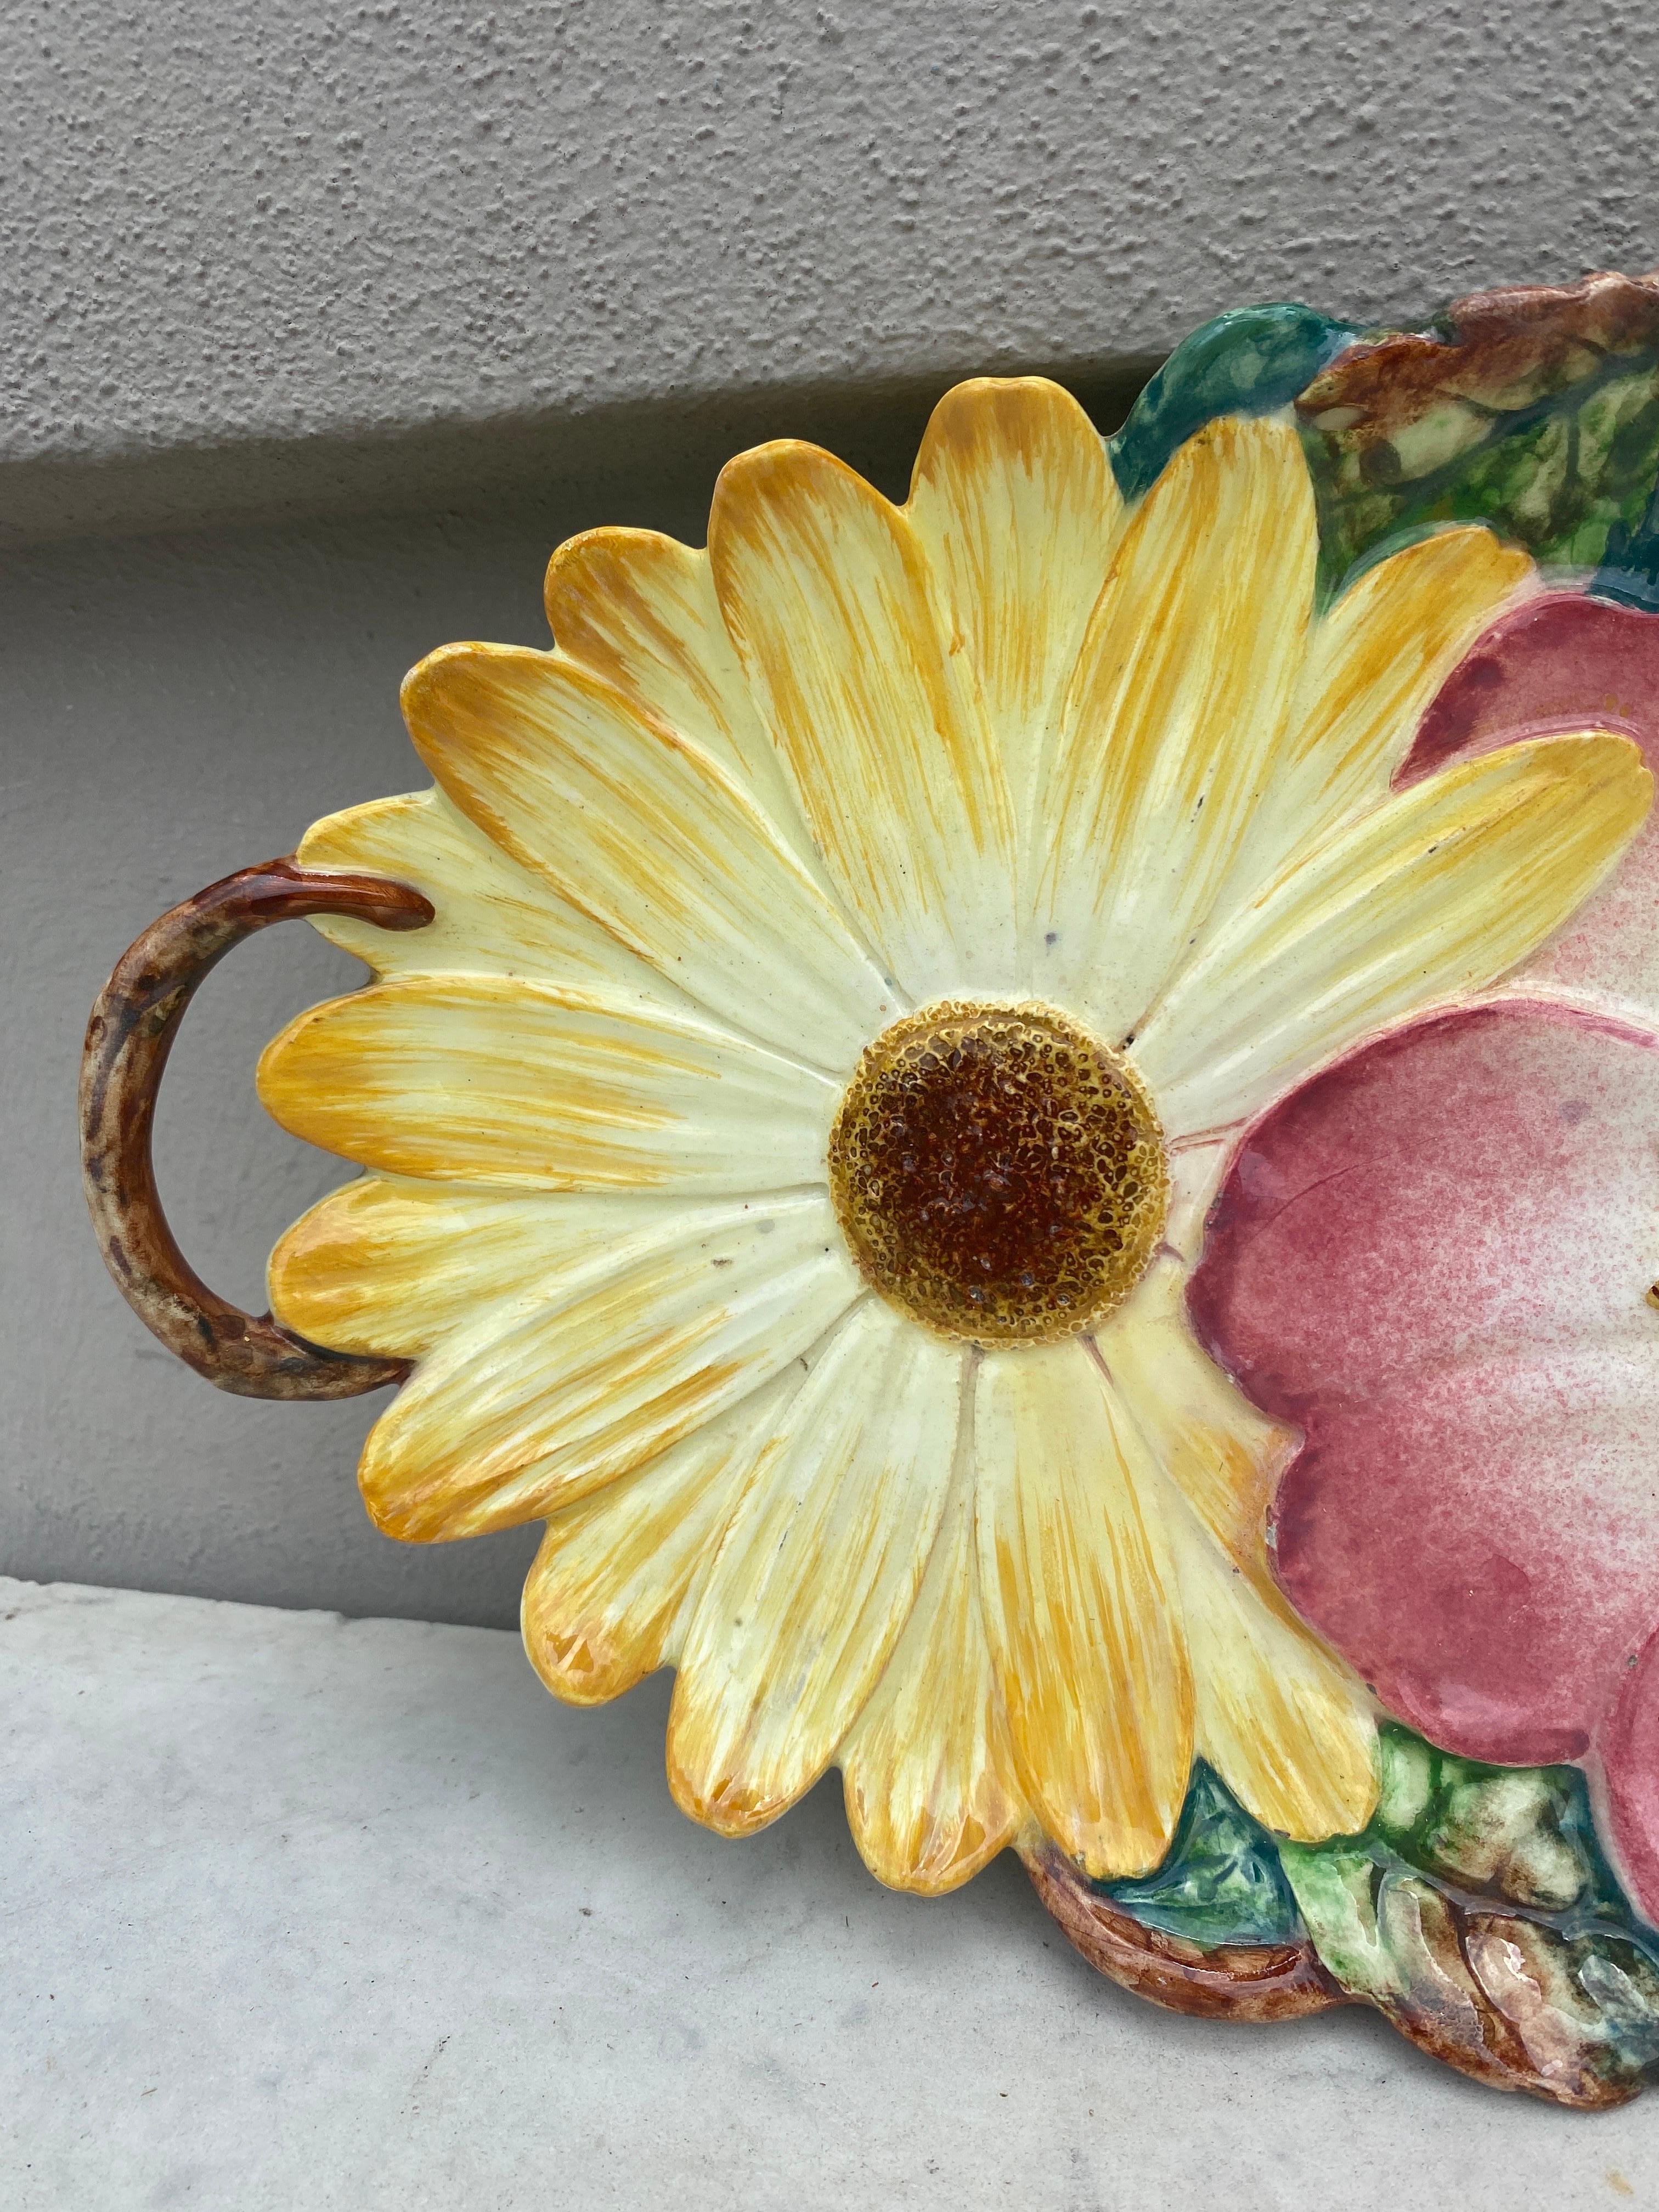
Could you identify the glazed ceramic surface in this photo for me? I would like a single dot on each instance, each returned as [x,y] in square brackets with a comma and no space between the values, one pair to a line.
[1030,1122]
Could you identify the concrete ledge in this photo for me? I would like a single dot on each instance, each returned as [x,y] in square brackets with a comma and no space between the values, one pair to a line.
[309,1912]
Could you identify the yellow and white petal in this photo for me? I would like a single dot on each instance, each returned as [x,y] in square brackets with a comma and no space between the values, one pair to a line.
[621,1357]
[1283,1722]
[1196,1173]
[648,834]
[827,595]
[1082,1611]
[609,1583]
[639,609]
[1223,1453]
[1288,1726]
[389,1266]
[492,916]
[931,1794]
[1176,719]
[484,1079]
[1374,663]
[817,1572]
[1440,889]
[1015,503]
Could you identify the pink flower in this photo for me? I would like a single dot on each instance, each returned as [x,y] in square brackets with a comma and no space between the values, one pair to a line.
[1435,1257]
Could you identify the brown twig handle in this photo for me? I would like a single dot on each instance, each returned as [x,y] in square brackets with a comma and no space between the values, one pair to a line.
[128,1039]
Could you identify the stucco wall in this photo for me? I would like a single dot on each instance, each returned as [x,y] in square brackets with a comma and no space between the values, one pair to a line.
[238,242]
[508,273]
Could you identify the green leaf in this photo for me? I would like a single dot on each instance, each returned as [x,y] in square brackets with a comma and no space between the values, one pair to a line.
[1479,1912]
[1630,572]
[1535,412]
[1221,1882]
[1246,362]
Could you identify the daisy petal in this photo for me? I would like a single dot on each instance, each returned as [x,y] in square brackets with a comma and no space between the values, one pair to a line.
[610,1582]
[817,1572]
[479,1078]
[1376,660]
[1014,502]
[648,834]
[827,596]
[931,1797]
[616,1360]
[1221,1454]
[1196,1173]
[1441,889]
[1081,1611]
[639,609]
[1175,719]
[492,916]
[1283,1721]
[392,1266]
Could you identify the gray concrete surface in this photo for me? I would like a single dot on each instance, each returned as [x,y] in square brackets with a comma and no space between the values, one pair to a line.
[292,256]
[303,1915]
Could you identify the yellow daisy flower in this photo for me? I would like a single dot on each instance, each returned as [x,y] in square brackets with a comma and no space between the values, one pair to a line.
[789,1141]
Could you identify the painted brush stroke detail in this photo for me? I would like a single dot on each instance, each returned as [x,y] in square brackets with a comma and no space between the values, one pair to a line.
[1030,1122]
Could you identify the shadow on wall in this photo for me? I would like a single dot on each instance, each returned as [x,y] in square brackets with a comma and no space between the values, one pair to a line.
[655,453]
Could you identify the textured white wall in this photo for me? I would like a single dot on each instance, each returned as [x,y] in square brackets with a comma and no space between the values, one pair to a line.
[225,226]
[511,272]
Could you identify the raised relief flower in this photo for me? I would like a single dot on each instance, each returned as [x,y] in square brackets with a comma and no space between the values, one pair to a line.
[1437,1257]
[789,1143]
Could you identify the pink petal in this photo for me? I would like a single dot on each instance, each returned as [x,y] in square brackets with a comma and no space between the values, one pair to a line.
[1480,1180]
[1483,1546]
[1629,1753]
[1565,661]
[1435,1257]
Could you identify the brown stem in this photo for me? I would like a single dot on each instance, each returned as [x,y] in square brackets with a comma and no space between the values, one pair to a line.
[1231,1981]
[128,1040]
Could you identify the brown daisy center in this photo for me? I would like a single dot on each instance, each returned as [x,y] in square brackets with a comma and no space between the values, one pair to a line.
[999,1173]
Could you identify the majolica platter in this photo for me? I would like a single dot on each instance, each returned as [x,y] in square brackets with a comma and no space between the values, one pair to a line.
[1030,1122]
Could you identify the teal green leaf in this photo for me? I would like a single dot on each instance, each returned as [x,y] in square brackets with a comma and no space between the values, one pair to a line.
[1477,1910]
[1630,569]
[1246,362]
[1221,1881]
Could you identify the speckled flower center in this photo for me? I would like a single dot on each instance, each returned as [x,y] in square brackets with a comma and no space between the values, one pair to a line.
[999,1173]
